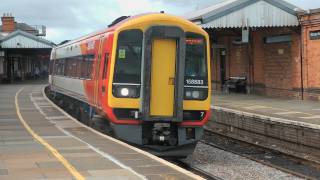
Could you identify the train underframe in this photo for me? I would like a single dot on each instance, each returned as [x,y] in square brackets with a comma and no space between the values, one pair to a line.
[165,139]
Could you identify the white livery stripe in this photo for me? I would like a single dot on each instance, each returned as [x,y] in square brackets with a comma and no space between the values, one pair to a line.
[127,84]
[204,87]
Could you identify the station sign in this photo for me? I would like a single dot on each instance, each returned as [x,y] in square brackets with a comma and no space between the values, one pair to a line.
[314,35]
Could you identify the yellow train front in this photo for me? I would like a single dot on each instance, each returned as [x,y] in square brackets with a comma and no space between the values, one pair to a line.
[159,80]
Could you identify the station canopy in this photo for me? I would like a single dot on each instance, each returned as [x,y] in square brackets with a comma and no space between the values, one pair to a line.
[23,40]
[246,13]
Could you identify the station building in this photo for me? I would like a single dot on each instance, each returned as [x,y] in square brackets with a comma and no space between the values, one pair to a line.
[265,47]
[24,53]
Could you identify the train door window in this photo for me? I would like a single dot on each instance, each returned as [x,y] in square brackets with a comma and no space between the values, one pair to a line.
[105,67]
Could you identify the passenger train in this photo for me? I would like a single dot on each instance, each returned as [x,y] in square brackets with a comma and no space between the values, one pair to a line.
[147,77]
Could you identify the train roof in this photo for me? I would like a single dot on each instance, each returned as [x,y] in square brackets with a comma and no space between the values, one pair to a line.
[130,20]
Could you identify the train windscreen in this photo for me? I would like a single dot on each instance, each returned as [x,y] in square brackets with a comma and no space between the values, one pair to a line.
[128,57]
[195,63]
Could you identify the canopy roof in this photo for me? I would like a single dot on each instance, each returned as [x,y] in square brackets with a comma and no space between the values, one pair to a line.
[21,39]
[246,13]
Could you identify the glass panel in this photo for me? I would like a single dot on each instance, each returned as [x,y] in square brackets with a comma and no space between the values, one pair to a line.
[105,67]
[195,64]
[128,57]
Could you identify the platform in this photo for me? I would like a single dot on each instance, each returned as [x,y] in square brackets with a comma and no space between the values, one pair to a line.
[303,112]
[290,126]
[39,141]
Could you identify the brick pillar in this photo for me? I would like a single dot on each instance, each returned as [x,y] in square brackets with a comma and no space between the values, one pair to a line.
[310,22]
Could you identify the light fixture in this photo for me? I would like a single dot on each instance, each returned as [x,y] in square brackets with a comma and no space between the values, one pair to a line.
[124,91]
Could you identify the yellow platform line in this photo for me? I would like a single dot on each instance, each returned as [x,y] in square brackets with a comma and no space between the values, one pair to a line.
[75,173]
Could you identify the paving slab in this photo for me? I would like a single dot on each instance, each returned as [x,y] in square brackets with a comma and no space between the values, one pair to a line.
[294,110]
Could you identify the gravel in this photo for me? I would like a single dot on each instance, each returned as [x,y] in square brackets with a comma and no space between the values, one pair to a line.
[231,166]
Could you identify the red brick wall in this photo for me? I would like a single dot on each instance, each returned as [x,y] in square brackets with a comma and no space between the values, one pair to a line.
[258,62]
[275,67]
[238,60]
[296,74]
[311,56]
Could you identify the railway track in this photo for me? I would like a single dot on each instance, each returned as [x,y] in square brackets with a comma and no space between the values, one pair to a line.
[286,163]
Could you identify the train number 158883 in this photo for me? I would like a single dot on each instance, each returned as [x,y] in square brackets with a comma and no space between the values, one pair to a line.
[194,81]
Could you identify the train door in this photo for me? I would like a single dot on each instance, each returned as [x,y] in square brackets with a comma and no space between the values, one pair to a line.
[103,79]
[163,74]
[162,77]
[98,74]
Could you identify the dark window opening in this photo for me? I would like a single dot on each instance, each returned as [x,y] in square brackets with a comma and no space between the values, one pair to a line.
[105,67]
[75,67]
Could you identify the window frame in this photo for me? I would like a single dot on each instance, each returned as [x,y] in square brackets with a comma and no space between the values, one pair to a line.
[196,35]
[117,55]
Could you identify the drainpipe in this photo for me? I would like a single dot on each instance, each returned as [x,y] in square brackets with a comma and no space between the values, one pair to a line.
[301,57]
[301,64]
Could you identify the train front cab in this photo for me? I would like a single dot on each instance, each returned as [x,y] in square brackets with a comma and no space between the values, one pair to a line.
[160,84]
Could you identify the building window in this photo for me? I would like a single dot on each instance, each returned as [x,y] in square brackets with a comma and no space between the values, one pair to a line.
[278,39]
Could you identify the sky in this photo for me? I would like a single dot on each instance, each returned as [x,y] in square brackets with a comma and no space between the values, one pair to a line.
[69,19]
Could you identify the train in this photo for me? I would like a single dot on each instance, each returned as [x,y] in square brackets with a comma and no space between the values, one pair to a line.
[145,79]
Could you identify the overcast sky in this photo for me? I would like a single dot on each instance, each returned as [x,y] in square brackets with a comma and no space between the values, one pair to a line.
[69,19]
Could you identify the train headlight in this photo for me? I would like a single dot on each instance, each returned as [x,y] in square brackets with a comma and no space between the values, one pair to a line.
[124,92]
[195,94]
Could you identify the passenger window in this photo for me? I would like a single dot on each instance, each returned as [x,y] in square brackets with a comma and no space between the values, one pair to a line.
[86,67]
